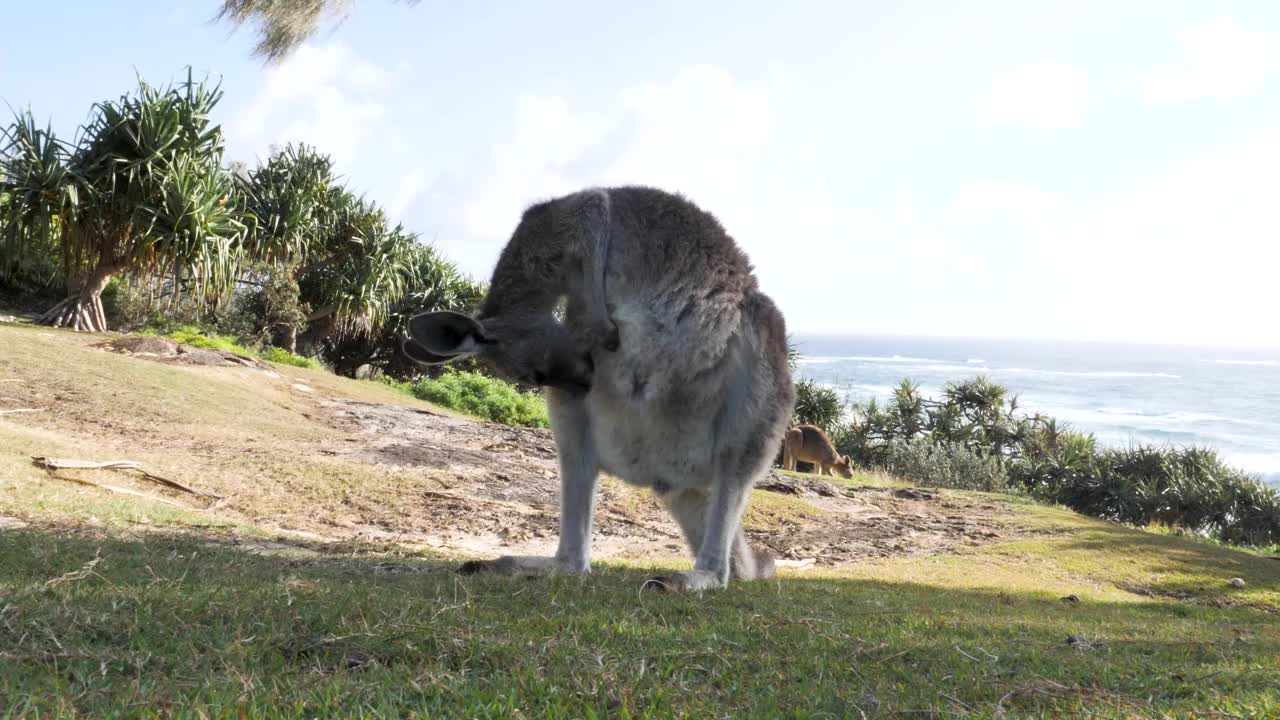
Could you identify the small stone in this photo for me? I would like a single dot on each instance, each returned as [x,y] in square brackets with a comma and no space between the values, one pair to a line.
[1237,582]
[1079,642]
[1073,599]
[11,523]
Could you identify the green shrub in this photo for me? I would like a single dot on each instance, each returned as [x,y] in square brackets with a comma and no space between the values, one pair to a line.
[198,337]
[943,465]
[974,437]
[267,309]
[1143,485]
[480,395]
[816,405]
[284,357]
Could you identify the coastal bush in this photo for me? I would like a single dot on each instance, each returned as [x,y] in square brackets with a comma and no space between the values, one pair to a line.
[201,337]
[816,405]
[284,357]
[975,437]
[948,465]
[479,395]
[1190,488]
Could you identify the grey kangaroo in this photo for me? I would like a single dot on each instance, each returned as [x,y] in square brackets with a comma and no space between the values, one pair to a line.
[668,368]
[807,443]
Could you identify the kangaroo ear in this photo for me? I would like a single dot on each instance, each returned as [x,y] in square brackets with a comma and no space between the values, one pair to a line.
[419,354]
[443,336]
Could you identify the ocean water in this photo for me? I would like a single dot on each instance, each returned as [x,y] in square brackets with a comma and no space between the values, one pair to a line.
[1228,399]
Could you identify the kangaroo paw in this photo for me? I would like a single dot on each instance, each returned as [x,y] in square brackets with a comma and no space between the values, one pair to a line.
[691,581]
[765,565]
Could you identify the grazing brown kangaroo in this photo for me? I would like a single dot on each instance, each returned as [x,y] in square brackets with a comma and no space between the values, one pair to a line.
[668,369]
[807,443]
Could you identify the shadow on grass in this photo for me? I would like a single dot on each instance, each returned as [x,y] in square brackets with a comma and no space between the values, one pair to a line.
[161,623]
[1175,567]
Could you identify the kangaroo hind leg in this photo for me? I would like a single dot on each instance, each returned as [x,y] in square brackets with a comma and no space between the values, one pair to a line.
[689,509]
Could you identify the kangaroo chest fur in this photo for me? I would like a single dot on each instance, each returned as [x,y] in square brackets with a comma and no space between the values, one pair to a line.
[645,444]
[648,430]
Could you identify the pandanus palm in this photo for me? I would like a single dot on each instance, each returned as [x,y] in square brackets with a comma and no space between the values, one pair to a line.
[434,284]
[283,25]
[287,204]
[363,267]
[141,191]
[349,263]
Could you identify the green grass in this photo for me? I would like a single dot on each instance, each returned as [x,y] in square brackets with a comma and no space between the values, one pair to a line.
[481,396]
[200,338]
[111,605]
[284,357]
[99,624]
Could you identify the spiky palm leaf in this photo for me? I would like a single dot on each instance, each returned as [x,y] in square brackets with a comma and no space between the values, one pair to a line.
[37,195]
[141,191]
[817,405]
[360,267]
[283,25]
[287,203]
[434,284]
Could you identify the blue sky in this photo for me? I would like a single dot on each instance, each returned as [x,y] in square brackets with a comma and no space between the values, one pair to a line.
[1084,170]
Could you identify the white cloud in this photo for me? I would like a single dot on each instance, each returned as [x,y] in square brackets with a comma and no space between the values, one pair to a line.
[989,197]
[1046,95]
[534,164]
[930,248]
[325,96]
[1224,60]
[1186,257]
[693,134]
[408,189]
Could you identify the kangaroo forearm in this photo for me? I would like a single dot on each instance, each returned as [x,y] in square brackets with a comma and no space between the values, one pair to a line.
[591,226]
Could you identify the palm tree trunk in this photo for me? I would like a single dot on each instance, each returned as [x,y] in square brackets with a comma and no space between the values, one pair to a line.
[82,310]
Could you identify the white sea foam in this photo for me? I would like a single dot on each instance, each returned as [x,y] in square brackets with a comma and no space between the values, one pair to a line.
[1087,374]
[975,365]
[1126,417]
[877,390]
[1256,363]
[948,368]
[826,359]
[1262,463]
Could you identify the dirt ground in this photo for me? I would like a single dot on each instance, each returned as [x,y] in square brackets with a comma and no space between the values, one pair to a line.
[333,465]
[504,491]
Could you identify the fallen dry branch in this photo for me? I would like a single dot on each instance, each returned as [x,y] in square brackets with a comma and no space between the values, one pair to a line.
[122,491]
[53,465]
[20,410]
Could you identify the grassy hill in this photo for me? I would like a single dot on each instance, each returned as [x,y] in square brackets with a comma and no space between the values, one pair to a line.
[320,581]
